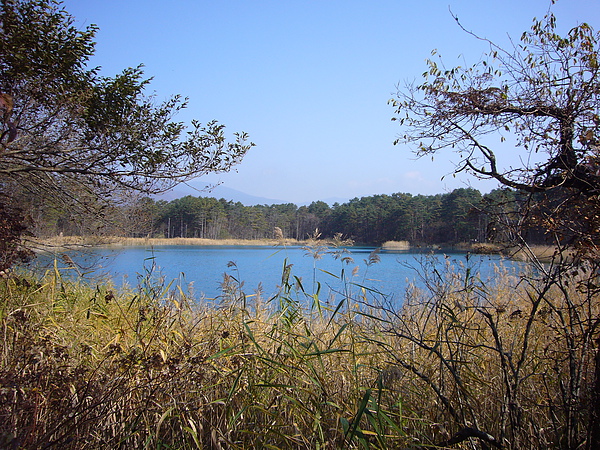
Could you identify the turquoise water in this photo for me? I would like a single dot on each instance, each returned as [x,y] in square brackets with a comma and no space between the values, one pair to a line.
[201,269]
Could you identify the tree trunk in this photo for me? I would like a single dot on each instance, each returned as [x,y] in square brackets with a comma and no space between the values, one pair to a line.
[594,431]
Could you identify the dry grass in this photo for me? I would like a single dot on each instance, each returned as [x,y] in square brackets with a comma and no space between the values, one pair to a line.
[58,243]
[512,361]
[89,368]
[85,367]
[544,253]
[396,245]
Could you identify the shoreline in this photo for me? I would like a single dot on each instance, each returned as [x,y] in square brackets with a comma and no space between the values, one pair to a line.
[60,243]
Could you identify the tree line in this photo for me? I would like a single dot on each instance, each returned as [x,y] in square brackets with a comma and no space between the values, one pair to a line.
[463,215]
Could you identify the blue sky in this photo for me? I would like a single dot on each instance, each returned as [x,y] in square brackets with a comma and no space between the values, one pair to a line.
[309,80]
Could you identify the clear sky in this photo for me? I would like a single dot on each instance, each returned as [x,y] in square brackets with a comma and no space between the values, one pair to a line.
[309,80]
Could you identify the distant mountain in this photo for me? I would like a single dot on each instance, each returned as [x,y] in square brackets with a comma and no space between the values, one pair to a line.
[236,196]
[219,192]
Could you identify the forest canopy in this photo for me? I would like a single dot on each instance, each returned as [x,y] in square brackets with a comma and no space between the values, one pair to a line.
[463,215]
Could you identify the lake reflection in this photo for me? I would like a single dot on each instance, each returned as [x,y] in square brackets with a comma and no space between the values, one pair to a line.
[201,268]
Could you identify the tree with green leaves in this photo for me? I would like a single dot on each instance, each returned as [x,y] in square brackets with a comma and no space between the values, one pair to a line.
[73,136]
[460,217]
[541,95]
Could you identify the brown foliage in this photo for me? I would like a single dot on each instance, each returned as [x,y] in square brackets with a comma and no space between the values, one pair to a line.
[12,230]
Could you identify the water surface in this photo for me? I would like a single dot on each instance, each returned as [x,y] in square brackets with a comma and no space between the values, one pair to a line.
[201,269]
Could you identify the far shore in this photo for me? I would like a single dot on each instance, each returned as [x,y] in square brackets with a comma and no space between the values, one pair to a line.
[60,243]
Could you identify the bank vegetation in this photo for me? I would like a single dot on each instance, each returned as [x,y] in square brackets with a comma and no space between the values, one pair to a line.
[507,365]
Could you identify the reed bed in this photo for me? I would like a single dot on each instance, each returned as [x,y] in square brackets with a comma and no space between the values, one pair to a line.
[85,367]
[396,245]
[62,242]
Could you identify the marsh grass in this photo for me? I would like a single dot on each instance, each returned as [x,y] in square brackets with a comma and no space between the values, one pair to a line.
[396,245]
[89,367]
[58,243]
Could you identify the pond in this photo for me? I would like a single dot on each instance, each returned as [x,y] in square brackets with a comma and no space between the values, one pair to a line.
[200,270]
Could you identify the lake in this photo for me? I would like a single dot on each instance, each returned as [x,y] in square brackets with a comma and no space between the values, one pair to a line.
[200,269]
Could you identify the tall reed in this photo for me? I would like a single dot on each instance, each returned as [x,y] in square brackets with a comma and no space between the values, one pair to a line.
[508,364]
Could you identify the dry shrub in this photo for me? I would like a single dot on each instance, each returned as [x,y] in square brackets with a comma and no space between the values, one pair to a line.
[514,360]
[508,364]
[88,367]
[395,245]
[13,229]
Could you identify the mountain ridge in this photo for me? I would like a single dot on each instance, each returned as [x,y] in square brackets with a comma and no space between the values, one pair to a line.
[234,195]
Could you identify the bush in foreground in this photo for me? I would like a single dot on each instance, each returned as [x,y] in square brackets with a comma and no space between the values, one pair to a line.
[509,365]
